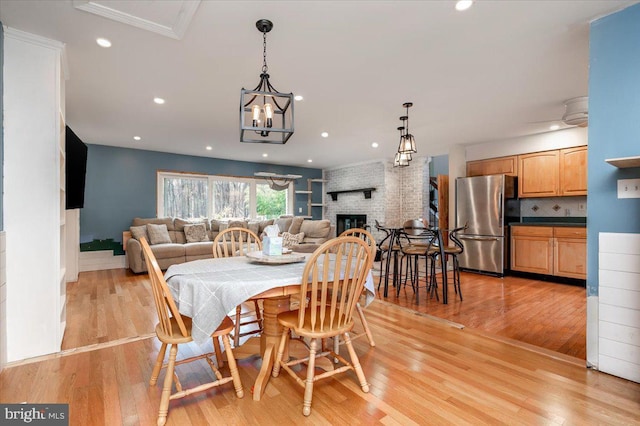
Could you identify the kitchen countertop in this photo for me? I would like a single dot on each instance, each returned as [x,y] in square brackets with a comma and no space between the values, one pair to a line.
[553,224]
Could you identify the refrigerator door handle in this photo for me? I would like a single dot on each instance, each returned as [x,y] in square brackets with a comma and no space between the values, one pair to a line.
[500,207]
[476,238]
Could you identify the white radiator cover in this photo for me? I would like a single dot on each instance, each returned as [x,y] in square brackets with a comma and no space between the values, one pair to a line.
[619,305]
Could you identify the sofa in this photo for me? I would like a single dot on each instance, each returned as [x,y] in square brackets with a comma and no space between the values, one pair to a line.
[187,240]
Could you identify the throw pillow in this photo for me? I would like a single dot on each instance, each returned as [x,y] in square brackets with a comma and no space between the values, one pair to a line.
[138,232]
[158,234]
[295,225]
[196,233]
[289,240]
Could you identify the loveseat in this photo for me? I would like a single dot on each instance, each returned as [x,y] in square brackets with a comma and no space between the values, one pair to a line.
[184,240]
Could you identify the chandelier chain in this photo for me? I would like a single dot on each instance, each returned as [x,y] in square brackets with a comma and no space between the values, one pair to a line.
[264,53]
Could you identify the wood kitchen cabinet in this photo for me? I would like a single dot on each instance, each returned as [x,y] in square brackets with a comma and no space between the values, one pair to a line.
[561,172]
[573,171]
[570,252]
[493,166]
[532,249]
[547,250]
[539,174]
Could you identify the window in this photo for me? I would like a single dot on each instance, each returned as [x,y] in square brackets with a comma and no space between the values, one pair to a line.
[192,196]
[270,203]
[183,196]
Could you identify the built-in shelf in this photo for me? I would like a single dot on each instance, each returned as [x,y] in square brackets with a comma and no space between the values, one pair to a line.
[365,191]
[624,162]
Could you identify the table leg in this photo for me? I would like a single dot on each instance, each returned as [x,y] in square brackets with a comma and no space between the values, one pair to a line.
[269,340]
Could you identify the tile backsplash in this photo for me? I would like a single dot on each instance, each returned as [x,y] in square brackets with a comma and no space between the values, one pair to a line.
[554,207]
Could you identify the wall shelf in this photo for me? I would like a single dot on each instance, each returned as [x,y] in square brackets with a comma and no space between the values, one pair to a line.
[309,192]
[624,162]
[365,191]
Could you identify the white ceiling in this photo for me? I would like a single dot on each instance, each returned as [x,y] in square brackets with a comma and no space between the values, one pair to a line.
[475,76]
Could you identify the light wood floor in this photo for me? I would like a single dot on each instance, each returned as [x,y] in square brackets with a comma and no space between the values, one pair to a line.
[422,371]
[116,304]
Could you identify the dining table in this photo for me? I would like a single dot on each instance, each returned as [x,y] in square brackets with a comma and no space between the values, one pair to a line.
[394,232]
[207,290]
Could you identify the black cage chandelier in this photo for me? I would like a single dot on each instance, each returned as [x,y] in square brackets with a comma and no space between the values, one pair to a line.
[407,144]
[266,115]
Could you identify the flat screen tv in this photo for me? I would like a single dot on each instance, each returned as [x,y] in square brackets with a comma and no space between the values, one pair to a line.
[75,169]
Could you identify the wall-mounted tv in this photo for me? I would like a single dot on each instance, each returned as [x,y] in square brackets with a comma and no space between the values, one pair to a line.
[75,169]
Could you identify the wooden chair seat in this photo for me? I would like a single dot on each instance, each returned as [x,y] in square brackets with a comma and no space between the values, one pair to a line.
[322,329]
[175,336]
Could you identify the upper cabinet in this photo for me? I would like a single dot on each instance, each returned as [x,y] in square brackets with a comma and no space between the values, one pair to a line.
[493,166]
[539,174]
[554,173]
[559,172]
[573,171]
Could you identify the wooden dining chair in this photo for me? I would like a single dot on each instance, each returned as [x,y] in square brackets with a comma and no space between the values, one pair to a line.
[368,238]
[174,329]
[333,278]
[238,242]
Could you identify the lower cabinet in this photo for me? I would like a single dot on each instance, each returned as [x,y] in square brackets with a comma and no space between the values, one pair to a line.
[548,250]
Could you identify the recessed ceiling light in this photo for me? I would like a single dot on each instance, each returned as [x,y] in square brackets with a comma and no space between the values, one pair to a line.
[209,148]
[554,127]
[265,155]
[298,97]
[103,42]
[324,134]
[309,160]
[136,138]
[159,101]
[463,5]
[374,144]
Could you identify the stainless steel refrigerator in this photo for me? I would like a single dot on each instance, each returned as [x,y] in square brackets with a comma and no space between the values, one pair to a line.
[486,204]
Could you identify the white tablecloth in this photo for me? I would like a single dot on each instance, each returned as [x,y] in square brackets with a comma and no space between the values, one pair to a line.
[206,290]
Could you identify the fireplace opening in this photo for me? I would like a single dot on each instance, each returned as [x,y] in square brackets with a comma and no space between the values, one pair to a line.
[348,221]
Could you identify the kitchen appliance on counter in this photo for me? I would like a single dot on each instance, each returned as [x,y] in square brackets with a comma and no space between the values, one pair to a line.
[486,204]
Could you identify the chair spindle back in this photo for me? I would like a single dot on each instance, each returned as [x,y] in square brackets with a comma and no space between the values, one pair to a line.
[165,305]
[333,278]
[235,242]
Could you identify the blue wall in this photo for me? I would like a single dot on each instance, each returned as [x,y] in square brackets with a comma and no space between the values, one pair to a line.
[614,128]
[121,184]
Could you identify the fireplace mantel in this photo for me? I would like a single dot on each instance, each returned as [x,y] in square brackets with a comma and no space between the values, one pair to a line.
[365,191]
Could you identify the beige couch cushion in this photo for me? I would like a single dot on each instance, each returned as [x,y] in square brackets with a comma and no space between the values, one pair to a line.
[168,251]
[201,249]
[139,232]
[284,223]
[155,220]
[316,231]
[258,226]
[295,225]
[158,234]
